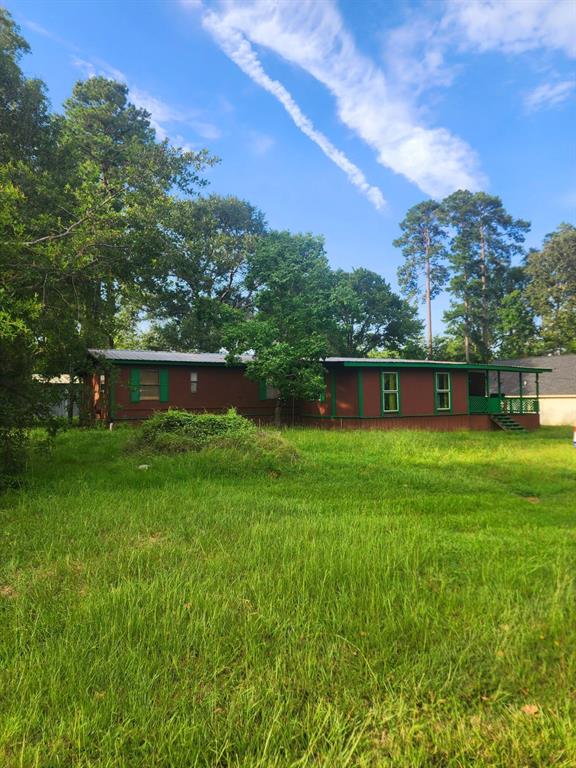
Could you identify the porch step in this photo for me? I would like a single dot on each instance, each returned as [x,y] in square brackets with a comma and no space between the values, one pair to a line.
[507,423]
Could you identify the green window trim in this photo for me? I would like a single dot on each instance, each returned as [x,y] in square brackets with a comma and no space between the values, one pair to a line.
[134,385]
[262,389]
[440,392]
[386,390]
[164,389]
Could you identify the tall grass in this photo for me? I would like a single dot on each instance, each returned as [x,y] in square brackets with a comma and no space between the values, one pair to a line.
[391,599]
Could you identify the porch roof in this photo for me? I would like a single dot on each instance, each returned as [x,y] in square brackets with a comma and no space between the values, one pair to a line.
[356,362]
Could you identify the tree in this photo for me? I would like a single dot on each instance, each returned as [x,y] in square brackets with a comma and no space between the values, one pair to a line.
[202,287]
[552,289]
[83,201]
[107,228]
[515,329]
[484,240]
[291,283]
[423,244]
[25,139]
[369,315]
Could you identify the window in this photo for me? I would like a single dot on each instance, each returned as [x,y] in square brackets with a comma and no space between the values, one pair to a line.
[193,381]
[272,392]
[443,392]
[149,384]
[390,393]
[268,392]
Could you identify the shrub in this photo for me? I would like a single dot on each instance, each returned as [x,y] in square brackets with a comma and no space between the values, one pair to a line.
[13,443]
[261,447]
[176,431]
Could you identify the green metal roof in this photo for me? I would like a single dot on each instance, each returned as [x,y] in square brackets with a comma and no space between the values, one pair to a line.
[351,362]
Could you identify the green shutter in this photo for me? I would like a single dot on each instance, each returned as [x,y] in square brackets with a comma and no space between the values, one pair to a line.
[333,394]
[262,389]
[360,394]
[134,385]
[163,385]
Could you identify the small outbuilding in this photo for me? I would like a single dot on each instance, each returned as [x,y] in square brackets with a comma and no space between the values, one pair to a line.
[129,385]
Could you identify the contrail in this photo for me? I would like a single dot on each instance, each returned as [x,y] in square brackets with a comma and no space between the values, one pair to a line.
[237,48]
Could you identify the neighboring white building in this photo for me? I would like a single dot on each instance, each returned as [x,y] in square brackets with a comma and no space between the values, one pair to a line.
[557,389]
[60,385]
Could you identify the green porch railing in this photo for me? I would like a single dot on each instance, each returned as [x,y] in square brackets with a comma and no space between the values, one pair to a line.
[480,404]
[522,405]
[494,405]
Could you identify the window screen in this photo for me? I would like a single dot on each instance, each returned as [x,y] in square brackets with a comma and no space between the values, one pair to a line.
[390,399]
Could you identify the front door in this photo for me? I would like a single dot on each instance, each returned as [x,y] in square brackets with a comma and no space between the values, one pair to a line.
[479,398]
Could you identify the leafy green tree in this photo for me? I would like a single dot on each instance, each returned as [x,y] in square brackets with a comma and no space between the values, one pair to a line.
[484,240]
[368,315]
[83,207]
[26,136]
[289,332]
[108,223]
[24,111]
[552,289]
[515,328]
[423,243]
[202,288]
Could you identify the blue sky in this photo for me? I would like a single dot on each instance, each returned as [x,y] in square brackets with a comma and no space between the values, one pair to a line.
[336,117]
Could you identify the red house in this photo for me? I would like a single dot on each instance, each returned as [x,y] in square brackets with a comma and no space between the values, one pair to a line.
[129,385]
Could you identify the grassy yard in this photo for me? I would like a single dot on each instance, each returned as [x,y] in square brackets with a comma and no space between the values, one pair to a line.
[392,599]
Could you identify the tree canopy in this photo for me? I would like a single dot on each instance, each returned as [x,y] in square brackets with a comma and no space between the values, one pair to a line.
[551,289]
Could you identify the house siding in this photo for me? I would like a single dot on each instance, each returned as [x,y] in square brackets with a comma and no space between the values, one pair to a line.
[218,389]
[352,398]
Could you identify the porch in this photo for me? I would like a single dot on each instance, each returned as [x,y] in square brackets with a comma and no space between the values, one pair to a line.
[492,393]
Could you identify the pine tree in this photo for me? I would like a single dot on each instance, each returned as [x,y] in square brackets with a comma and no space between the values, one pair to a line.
[423,244]
[484,239]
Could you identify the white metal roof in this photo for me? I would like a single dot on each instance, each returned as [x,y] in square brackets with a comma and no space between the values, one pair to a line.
[150,356]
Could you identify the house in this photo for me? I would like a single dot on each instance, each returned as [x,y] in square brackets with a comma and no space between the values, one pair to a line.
[129,385]
[556,393]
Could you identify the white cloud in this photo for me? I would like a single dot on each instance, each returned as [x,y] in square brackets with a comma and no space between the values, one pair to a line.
[549,95]
[414,55]
[312,35]
[515,26]
[260,143]
[87,68]
[40,30]
[236,46]
[163,116]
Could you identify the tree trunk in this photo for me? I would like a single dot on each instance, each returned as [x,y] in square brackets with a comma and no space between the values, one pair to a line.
[484,279]
[71,397]
[466,331]
[428,297]
[277,414]
[86,403]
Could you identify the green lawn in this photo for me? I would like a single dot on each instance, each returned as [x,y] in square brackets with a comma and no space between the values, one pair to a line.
[393,599]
